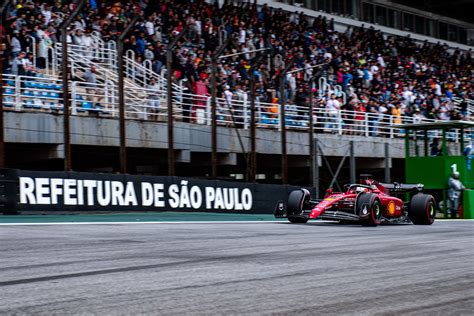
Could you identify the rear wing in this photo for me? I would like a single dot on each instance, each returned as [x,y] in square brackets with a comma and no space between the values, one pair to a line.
[399,187]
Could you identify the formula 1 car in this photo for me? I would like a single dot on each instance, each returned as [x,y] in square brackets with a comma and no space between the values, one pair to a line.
[368,203]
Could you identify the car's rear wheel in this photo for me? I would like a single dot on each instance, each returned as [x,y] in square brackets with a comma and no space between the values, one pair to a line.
[369,206]
[422,209]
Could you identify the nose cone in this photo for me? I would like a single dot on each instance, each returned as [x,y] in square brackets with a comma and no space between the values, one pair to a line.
[315,212]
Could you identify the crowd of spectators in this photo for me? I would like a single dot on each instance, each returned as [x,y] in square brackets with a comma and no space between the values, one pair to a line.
[378,74]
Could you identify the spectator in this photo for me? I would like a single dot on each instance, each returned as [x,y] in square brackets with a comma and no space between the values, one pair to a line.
[91,88]
[435,147]
[17,67]
[333,110]
[385,70]
[455,188]
[154,98]
[202,93]
[28,65]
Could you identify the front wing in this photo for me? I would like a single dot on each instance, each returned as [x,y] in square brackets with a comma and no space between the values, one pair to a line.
[281,212]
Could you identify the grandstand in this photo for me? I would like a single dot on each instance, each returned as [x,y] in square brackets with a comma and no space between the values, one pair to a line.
[371,79]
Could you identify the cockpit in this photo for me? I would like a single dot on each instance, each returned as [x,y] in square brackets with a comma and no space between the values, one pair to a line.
[358,188]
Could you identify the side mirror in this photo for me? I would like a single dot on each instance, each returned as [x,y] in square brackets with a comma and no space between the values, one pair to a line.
[328,191]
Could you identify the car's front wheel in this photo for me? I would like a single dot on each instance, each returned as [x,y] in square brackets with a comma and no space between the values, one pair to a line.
[297,201]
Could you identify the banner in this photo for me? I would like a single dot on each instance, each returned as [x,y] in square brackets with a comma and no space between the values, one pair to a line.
[85,192]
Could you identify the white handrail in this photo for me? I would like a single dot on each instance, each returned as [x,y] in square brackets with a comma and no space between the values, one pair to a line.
[45,93]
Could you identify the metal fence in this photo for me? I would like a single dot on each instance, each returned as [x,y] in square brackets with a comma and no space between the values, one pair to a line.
[23,93]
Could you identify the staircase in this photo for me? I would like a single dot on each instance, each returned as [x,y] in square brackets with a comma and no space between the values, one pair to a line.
[81,58]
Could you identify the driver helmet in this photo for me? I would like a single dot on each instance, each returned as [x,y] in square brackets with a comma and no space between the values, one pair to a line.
[359,189]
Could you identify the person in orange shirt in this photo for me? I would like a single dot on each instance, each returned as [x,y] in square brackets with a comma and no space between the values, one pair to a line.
[397,117]
[397,114]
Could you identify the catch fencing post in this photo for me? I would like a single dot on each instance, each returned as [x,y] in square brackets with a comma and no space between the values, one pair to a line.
[223,41]
[316,167]
[387,163]
[252,168]
[284,154]
[123,141]
[311,113]
[65,81]
[169,85]
[352,163]
[2,51]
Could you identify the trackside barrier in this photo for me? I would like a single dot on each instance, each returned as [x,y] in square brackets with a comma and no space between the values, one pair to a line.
[56,192]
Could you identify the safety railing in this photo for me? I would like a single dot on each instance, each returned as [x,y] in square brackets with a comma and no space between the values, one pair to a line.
[104,57]
[470,105]
[32,93]
[143,73]
[45,93]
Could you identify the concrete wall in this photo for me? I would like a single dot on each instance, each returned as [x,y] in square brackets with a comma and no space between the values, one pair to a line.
[45,128]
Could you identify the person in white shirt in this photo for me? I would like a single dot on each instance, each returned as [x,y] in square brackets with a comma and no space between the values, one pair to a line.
[292,84]
[44,44]
[46,12]
[374,69]
[153,98]
[328,56]
[78,37]
[198,27]
[224,110]
[417,117]
[444,112]
[332,110]
[149,26]
[407,96]
[381,61]
[437,89]
[89,45]
[28,65]
[239,108]
[242,35]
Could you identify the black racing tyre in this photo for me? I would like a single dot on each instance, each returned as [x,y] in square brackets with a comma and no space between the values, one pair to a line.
[374,208]
[297,220]
[297,200]
[422,210]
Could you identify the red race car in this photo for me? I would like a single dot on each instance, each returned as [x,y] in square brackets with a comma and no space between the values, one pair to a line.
[368,202]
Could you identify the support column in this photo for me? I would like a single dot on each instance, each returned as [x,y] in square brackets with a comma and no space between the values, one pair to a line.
[65,81]
[2,52]
[169,100]
[121,93]
[316,168]
[387,163]
[352,163]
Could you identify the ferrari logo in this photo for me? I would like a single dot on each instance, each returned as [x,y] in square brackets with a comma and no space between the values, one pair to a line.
[364,211]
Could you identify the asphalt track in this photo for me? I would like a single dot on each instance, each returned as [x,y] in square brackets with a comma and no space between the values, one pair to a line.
[237,268]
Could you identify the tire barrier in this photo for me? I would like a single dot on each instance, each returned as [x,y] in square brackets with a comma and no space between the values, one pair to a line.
[77,192]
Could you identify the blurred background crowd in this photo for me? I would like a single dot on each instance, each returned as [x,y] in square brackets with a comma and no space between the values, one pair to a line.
[378,74]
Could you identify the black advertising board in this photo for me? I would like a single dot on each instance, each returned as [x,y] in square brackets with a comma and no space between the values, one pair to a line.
[41,191]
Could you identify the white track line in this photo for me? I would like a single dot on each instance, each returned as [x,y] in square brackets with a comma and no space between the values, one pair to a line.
[127,223]
[185,222]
